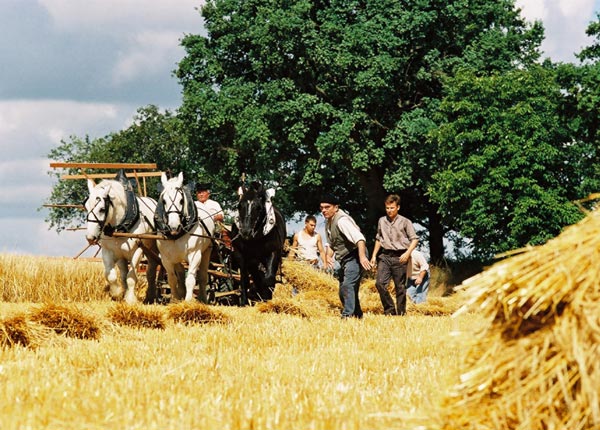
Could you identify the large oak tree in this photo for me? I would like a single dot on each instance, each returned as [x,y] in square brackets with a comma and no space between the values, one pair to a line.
[339,95]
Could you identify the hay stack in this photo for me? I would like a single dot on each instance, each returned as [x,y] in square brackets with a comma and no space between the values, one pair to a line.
[196,313]
[17,330]
[306,278]
[535,364]
[137,316]
[289,307]
[66,319]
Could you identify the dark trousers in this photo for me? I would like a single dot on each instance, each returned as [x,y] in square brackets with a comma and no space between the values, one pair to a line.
[388,268]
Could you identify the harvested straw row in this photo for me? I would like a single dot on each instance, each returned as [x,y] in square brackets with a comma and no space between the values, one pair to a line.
[306,278]
[68,320]
[32,328]
[18,330]
[196,313]
[534,365]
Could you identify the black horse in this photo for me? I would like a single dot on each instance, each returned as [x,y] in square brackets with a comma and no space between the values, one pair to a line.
[257,238]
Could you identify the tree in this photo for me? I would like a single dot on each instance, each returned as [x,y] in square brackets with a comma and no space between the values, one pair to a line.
[512,164]
[339,95]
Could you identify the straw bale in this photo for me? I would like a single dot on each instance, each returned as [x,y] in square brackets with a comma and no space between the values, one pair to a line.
[436,306]
[287,306]
[368,286]
[534,364]
[137,315]
[196,313]
[17,330]
[303,277]
[326,300]
[66,319]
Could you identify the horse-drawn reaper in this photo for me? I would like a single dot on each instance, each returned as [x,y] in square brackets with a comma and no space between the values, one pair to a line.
[173,232]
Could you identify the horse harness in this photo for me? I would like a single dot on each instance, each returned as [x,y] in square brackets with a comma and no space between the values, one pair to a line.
[188,222]
[132,215]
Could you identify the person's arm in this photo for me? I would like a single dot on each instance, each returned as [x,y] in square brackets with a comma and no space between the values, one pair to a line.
[351,231]
[376,248]
[406,256]
[218,216]
[420,277]
[362,255]
[328,259]
[294,248]
[320,246]
[411,234]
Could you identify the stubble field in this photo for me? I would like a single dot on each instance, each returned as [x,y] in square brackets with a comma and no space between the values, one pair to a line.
[289,364]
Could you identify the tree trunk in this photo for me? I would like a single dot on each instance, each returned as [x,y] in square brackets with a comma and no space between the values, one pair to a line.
[436,234]
[372,183]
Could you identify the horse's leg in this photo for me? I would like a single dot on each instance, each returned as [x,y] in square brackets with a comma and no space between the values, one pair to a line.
[180,285]
[258,279]
[244,283]
[123,273]
[151,292]
[110,274]
[271,266]
[151,253]
[171,279]
[194,262]
[132,278]
[202,274]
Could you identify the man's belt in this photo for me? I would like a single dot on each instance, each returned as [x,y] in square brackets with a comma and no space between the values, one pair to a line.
[395,252]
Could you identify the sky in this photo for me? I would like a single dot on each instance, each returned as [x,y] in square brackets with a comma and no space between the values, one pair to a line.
[83,67]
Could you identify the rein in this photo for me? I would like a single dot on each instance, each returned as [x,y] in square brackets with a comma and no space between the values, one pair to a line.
[187,222]
[172,204]
[95,219]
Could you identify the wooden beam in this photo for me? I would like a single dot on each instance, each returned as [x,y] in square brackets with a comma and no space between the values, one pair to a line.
[139,236]
[103,165]
[111,175]
[51,205]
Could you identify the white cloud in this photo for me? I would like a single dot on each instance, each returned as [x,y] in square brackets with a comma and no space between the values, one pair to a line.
[30,236]
[30,128]
[147,52]
[123,16]
[533,9]
[565,22]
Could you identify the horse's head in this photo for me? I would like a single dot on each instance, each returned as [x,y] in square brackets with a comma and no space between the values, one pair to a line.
[98,206]
[252,212]
[172,199]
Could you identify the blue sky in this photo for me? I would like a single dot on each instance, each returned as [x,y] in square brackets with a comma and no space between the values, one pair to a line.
[83,67]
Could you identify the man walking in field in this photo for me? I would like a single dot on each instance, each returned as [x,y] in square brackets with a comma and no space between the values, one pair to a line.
[347,243]
[396,238]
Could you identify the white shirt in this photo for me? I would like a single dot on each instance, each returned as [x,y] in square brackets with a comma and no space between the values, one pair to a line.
[416,265]
[349,228]
[209,207]
[307,245]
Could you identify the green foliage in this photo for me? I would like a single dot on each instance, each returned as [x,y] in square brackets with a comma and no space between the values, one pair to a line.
[512,167]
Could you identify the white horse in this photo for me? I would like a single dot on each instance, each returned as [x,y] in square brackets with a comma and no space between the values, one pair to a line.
[188,232]
[112,206]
